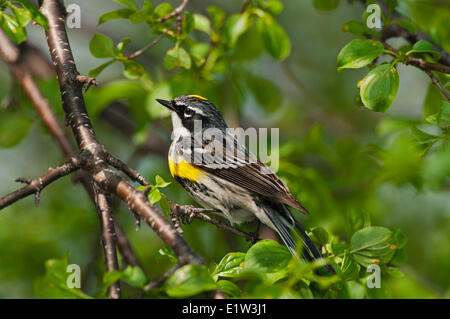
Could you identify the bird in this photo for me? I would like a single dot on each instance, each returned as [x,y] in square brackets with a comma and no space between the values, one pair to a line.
[220,173]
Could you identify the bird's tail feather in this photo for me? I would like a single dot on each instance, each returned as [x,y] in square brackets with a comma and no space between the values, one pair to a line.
[284,224]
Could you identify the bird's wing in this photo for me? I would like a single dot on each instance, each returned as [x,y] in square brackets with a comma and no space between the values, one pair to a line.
[241,167]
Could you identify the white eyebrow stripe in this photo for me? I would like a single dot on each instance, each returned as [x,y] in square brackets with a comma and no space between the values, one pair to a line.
[196,110]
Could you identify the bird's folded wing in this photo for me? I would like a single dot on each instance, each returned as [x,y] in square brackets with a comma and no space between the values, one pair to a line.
[240,167]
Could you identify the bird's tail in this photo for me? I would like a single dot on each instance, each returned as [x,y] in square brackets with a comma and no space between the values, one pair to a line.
[285,224]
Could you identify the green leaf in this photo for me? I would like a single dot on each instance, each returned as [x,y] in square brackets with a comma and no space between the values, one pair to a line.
[229,288]
[12,28]
[54,283]
[433,101]
[147,8]
[163,9]
[321,235]
[188,23]
[325,5]
[111,277]
[117,14]
[235,26]
[164,203]
[379,88]
[354,27]
[121,45]
[102,46]
[189,280]
[134,276]
[349,269]
[358,53]
[168,253]
[217,15]
[202,23]
[177,57]
[23,16]
[267,256]
[14,127]
[373,245]
[395,272]
[154,195]
[424,46]
[36,15]
[160,182]
[400,257]
[136,17]
[132,69]
[128,3]
[199,52]
[230,265]
[272,6]
[408,25]
[95,72]
[275,39]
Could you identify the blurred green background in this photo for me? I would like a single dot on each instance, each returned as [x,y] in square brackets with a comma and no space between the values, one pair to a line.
[344,162]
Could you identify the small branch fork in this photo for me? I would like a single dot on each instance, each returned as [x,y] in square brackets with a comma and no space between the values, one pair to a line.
[35,186]
[427,67]
[395,30]
[93,160]
[178,12]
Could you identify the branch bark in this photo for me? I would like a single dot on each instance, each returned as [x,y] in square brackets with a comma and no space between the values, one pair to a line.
[108,238]
[94,152]
[192,212]
[35,186]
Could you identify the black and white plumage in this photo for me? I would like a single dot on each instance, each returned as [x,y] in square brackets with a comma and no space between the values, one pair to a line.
[221,173]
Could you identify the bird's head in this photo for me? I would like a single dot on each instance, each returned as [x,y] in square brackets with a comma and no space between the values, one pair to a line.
[186,109]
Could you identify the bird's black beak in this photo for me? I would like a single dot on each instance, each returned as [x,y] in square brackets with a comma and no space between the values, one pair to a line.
[168,104]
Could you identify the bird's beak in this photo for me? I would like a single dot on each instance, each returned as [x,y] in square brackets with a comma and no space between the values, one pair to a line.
[168,104]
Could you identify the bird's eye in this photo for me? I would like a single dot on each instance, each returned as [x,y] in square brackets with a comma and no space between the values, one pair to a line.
[188,112]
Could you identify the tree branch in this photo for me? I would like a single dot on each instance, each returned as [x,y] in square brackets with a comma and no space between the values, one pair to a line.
[426,67]
[178,12]
[12,55]
[194,212]
[95,154]
[18,61]
[395,30]
[108,238]
[150,45]
[35,186]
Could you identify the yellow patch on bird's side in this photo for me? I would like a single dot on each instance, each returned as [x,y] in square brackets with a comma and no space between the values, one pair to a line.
[184,169]
[198,97]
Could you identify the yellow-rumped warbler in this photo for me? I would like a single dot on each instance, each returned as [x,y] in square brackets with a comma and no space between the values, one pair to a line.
[220,173]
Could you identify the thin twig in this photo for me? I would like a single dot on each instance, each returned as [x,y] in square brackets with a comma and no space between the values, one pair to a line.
[245,5]
[394,30]
[194,212]
[131,173]
[178,12]
[150,45]
[426,67]
[108,238]
[125,248]
[160,281]
[12,55]
[35,186]
[436,82]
